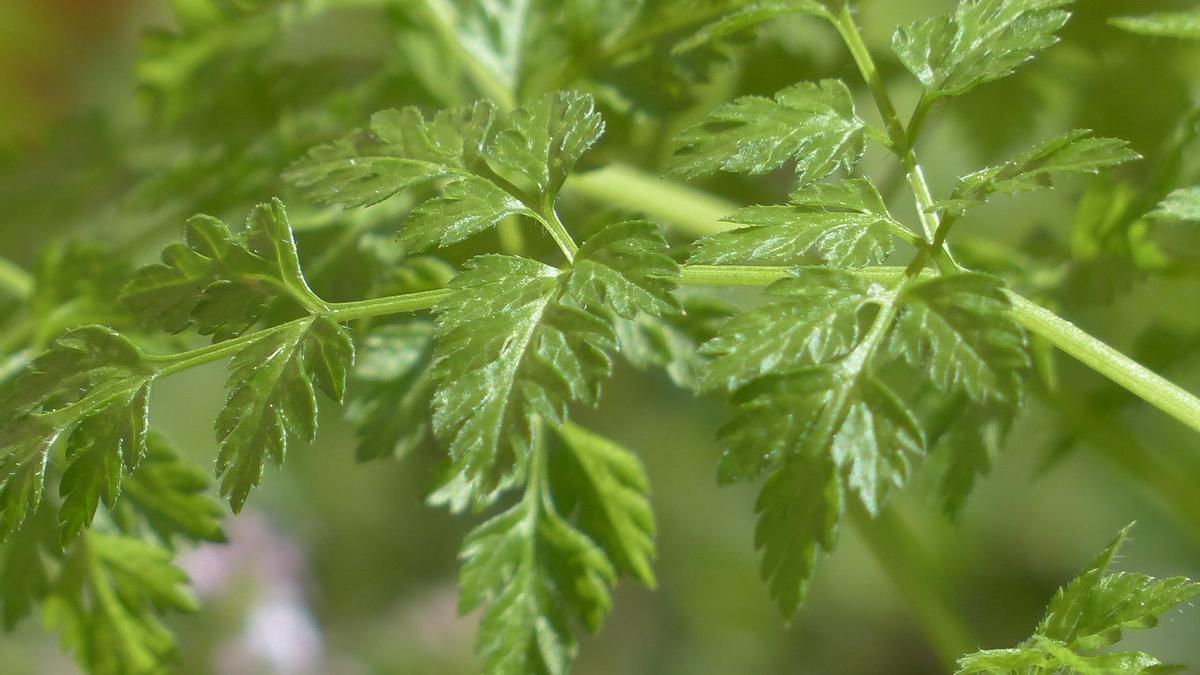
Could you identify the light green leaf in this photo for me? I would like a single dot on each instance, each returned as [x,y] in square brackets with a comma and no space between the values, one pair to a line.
[536,574]
[401,150]
[672,342]
[25,566]
[270,398]
[1181,205]
[798,512]
[625,268]
[814,320]
[1184,25]
[813,124]
[171,497]
[99,451]
[747,17]
[509,351]
[982,41]
[544,139]
[91,385]
[1072,154]
[391,402]
[104,603]
[1091,611]
[467,206]
[956,330]
[856,421]
[843,231]
[1089,614]
[220,281]
[605,487]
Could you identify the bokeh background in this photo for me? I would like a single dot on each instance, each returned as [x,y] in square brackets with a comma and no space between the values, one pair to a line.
[118,119]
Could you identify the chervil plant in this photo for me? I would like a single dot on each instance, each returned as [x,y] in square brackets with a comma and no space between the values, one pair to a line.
[466,271]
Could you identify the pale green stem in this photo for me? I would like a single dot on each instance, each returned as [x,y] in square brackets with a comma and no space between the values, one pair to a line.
[15,281]
[691,211]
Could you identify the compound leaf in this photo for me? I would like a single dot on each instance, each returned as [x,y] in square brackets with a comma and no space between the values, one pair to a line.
[270,398]
[509,351]
[956,330]
[1072,154]
[814,320]
[537,574]
[813,124]
[605,486]
[103,604]
[982,41]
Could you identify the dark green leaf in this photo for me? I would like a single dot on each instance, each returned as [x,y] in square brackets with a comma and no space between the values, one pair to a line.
[391,403]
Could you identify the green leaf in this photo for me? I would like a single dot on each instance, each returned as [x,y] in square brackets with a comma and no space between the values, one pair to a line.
[171,497]
[1181,205]
[966,447]
[1184,25]
[625,268]
[1089,614]
[1091,611]
[270,398]
[813,124]
[605,486]
[747,17]
[856,421]
[814,320]
[845,224]
[798,513]
[982,41]
[92,386]
[466,206]
[25,571]
[672,342]
[400,150]
[536,573]
[99,451]
[486,165]
[509,351]
[220,281]
[956,330]
[1072,154]
[391,401]
[544,139]
[103,604]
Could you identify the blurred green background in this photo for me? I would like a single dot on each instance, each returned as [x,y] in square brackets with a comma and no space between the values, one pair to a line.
[117,120]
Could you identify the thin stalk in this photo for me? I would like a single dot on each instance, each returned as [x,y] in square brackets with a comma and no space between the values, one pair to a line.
[1144,383]
[902,139]
[343,312]
[559,233]
[1124,371]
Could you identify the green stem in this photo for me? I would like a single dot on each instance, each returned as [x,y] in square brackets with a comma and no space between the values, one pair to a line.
[1120,369]
[1134,377]
[913,573]
[559,233]
[902,139]
[15,281]
[343,312]
[176,363]
[688,210]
